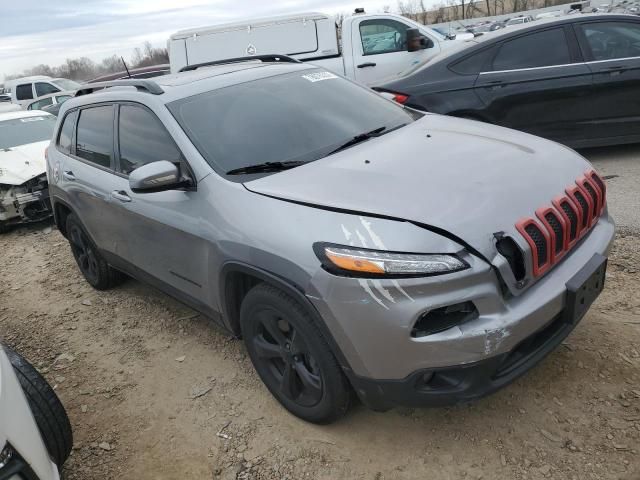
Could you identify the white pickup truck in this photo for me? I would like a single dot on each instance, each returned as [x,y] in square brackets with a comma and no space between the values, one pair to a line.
[367,47]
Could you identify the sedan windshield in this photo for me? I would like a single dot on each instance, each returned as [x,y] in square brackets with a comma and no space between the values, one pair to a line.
[298,117]
[22,131]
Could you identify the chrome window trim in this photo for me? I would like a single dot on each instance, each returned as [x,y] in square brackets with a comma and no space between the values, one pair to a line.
[535,68]
[613,60]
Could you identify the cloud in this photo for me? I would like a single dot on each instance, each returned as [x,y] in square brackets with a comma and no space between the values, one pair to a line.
[55,31]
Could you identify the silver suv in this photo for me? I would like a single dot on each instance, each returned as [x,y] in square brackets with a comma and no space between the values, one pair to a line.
[355,245]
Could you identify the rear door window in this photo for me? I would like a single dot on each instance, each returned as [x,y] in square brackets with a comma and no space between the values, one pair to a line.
[24,92]
[94,138]
[540,49]
[143,139]
[66,132]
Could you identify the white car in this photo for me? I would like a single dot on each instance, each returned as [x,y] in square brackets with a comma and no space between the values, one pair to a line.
[51,99]
[24,195]
[24,90]
[35,434]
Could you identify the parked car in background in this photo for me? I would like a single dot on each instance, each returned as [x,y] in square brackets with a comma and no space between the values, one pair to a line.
[519,20]
[9,107]
[573,79]
[24,195]
[23,90]
[53,109]
[35,433]
[366,48]
[319,221]
[452,34]
[142,72]
[51,99]
[5,97]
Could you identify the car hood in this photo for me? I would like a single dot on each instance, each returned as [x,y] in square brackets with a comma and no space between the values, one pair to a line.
[464,177]
[22,163]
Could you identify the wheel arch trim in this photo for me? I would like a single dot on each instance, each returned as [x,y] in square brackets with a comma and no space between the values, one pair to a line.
[297,292]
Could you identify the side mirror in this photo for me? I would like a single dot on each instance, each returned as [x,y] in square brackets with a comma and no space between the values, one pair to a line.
[155,177]
[415,40]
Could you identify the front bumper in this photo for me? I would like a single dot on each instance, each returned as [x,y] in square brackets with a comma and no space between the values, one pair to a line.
[375,336]
[463,383]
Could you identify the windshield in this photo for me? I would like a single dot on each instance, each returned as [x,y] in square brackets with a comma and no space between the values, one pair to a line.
[301,116]
[22,131]
[64,84]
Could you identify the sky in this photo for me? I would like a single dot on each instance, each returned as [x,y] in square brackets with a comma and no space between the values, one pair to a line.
[50,31]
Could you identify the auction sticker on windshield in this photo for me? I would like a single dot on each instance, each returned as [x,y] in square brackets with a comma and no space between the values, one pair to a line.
[319,76]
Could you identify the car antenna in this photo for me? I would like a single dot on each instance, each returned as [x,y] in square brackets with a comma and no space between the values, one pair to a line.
[125,66]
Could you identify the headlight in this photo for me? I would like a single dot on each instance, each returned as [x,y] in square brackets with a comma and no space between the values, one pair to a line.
[365,262]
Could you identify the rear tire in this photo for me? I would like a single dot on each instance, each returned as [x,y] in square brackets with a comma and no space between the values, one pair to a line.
[46,407]
[96,271]
[292,357]
[4,227]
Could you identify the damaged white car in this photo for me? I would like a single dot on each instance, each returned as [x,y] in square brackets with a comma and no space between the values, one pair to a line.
[24,195]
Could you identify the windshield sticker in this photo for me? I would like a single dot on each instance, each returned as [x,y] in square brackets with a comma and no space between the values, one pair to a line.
[31,119]
[319,76]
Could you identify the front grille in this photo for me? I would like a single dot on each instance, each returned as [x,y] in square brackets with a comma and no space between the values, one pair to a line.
[558,231]
[584,206]
[540,242]
[600,184]
[594,197]
[562,225]
[573,219]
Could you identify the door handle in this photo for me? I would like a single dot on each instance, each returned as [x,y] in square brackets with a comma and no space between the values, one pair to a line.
[121,195]
[68,175]
[365,65]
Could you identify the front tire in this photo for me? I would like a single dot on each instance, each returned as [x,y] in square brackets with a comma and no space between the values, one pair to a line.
[96,271]
[292,357]
[46,407]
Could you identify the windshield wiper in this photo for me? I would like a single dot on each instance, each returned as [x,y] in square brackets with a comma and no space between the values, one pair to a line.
[266,167]
[365,136]
[358,139]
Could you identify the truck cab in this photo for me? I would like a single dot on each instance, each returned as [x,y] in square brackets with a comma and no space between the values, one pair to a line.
[365,48]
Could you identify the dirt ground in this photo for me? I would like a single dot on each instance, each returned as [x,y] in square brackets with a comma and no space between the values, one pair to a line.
[155,391]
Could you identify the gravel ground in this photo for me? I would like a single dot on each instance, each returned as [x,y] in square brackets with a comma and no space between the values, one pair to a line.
[621,165]
[155,391]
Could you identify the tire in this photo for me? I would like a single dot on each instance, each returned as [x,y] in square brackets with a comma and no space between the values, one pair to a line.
[292,357]
[4,227]
[96,271]
[46,407]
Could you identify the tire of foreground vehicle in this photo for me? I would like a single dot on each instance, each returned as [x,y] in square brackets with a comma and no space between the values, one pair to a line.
[292,357]
[46,407]
[94,268]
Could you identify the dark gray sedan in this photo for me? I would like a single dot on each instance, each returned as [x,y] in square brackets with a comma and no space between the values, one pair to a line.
[574,79]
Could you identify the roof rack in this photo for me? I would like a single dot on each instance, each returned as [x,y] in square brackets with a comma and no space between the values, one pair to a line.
[148,86]
[262,58]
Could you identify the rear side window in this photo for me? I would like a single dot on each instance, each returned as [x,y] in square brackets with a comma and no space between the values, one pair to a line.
[24,92]
[473,64]
[540,49]
[143,139]
[94,137]
[66,132]
[45,89]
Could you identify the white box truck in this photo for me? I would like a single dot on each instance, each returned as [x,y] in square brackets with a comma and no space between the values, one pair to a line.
[367,48]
